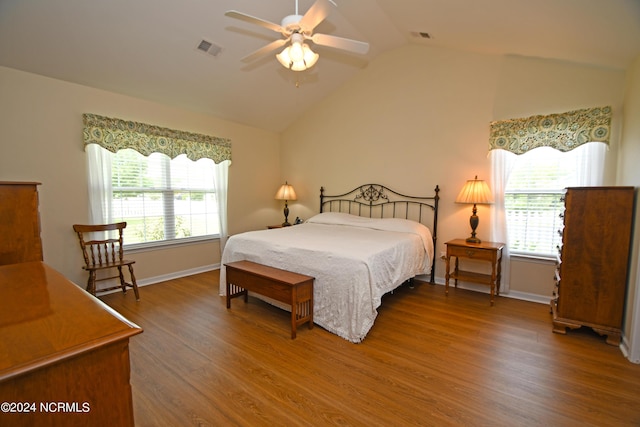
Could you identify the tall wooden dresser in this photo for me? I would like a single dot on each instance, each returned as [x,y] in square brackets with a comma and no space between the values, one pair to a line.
[591,276]
[19,223]
[64,355]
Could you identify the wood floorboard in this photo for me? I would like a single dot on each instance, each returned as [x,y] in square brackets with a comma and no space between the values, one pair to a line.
[429,360]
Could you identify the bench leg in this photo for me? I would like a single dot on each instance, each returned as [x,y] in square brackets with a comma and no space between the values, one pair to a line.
[294,322]
[235,291]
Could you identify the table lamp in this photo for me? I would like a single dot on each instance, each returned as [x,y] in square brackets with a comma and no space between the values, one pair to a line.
[475,191]
[286,193]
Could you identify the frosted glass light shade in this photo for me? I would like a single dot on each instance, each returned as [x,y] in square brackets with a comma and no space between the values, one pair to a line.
[298,56]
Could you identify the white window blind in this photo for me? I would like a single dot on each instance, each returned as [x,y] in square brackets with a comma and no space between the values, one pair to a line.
[533,198]
[163,199]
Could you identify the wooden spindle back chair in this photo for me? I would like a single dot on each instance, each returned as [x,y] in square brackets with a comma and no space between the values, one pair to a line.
[103,253]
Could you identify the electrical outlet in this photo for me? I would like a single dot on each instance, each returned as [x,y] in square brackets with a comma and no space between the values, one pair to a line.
[443,254]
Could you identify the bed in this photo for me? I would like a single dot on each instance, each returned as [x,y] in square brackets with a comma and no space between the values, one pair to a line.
[362,245]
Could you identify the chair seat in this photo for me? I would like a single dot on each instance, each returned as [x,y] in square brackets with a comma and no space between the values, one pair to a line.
[106,265]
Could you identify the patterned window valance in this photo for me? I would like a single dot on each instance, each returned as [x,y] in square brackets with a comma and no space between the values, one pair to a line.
[116,134]
[564,132]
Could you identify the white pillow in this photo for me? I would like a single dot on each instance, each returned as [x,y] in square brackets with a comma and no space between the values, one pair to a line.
[385,224]
[337,218]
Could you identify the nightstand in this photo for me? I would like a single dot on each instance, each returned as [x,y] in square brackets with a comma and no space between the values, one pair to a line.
[485,251]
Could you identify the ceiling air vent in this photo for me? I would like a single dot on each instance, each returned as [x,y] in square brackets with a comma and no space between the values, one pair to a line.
[210,48]
[421,34]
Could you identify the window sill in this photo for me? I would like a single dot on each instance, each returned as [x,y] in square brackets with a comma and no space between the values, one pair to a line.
[164,244]
[536,259]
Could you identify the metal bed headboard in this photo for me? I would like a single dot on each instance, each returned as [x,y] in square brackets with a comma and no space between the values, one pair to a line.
[378,201]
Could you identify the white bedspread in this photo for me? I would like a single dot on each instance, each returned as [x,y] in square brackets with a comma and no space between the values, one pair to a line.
[354,260]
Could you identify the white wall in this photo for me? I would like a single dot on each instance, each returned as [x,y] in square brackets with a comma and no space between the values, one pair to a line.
[41,122]
[419,116]
[412,119]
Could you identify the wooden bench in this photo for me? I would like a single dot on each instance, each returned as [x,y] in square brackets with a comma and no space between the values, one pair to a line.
[281,285]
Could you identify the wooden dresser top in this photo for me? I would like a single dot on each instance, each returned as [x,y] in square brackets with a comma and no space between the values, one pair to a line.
[45,318]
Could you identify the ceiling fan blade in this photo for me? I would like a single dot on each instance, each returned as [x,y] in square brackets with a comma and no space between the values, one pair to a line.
[265,49]
[340,43]
[315,15]
[253,20]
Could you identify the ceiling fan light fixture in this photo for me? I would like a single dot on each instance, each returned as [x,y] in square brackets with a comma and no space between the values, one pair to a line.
[298,56]
[297,29]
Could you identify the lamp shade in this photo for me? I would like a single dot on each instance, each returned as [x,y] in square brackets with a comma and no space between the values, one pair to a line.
[475,191]
[286,192]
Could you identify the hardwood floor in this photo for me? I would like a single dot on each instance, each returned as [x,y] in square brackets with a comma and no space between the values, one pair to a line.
[429,360]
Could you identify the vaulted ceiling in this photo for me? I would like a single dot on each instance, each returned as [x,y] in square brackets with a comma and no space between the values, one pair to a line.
[148,48]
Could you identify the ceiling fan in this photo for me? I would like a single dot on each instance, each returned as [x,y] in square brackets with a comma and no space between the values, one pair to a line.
[298,29]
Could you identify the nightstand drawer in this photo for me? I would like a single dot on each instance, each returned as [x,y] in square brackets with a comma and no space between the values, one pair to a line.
[471,253]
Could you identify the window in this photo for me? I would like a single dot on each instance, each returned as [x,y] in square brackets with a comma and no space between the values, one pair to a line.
[161,198]
[168,185]
[533,196]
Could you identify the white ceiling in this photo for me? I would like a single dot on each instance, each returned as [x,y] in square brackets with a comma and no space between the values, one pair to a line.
[147,48]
